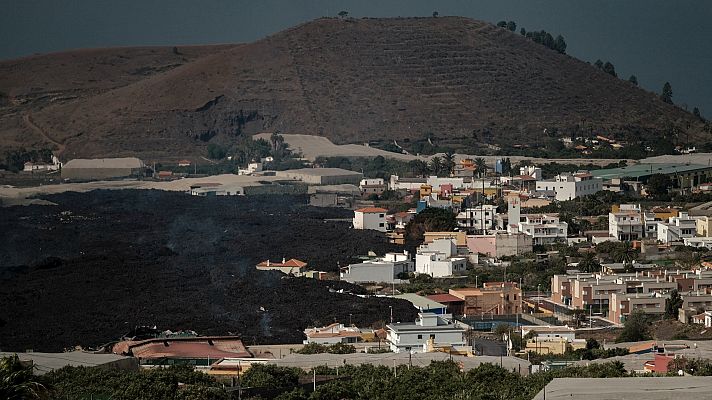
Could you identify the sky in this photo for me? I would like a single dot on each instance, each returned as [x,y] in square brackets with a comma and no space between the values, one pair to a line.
[656,40]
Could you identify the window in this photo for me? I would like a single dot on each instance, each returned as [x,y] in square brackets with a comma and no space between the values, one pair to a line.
[380,225]
[381,215]
[420,336]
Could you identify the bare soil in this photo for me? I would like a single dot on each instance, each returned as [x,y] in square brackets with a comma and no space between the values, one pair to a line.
[97,264]
[355,80]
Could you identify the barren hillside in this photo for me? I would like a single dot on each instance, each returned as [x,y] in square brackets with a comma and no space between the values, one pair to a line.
[349,80]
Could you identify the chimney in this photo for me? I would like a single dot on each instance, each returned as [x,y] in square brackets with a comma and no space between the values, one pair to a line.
[268,263]
[284,260]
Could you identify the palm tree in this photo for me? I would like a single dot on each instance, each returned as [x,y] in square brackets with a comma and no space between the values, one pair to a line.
[626,254]
[449,162]
[481,166]
[436,165]
[419,167]
[589,263]
[17,382]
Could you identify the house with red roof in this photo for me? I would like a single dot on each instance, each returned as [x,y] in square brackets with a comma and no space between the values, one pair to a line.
[201,350]
[370,218]
[292,266]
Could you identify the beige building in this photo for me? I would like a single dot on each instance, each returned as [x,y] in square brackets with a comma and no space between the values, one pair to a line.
[622,305]
[494,298]
[703,226]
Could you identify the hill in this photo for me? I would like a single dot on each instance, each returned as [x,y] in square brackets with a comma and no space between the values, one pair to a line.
[465,82]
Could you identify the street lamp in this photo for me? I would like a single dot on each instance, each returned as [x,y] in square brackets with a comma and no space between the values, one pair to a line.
[538,296]
[350,324]
[391,307]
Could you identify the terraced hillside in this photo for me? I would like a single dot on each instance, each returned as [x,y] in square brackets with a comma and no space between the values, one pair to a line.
[349,80]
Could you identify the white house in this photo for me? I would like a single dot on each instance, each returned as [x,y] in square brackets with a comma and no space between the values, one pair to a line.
[32,166]
[251,169]
[372,186]
[699,242]
[479,219]
[677,228]
[412,336]
[435,181]
[439,258]
[332,334]
[410,184]
[550,332]
[627,223]
[384,269]
[708,319]
[530,170]
[569,186]
[543,228]
[370,218]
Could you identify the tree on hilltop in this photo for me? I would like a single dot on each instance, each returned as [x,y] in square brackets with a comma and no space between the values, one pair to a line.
[666,94]
[343,14]
[609,69]
[560,44]
[696,112]
[633,79]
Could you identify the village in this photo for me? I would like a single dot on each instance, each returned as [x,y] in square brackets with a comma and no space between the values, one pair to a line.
[460,233]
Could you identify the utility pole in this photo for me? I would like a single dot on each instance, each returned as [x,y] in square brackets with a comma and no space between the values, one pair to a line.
[239,382]
[314,371]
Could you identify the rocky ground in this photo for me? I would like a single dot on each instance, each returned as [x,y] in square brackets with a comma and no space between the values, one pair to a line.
[97,264]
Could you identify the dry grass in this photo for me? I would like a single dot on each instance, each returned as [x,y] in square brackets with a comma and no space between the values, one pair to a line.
[349,80]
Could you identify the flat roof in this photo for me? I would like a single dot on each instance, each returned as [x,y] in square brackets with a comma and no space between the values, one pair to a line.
[647,388]
[320,172]
[46,362]
[420,301]
[127,162]
[645,170]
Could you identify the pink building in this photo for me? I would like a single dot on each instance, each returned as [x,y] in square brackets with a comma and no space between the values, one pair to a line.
[500,244]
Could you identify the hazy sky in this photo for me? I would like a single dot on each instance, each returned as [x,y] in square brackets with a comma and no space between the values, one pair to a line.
[657,40]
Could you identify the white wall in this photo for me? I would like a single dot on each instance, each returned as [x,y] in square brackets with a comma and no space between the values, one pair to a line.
[375,221]
[416,339]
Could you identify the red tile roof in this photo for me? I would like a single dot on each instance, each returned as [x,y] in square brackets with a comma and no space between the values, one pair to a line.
[371,210]
[195,347]
[444,298]
[294,263]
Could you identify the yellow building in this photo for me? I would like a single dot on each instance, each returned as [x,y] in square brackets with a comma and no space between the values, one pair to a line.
[425,190]
[663,214]
[460,237]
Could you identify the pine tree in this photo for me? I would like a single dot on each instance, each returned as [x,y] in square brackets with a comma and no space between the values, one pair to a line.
[560,44]
[666,95]
[598,64]
[633,79]
[512,26]
[696,112]
[609,69]
[523,32]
